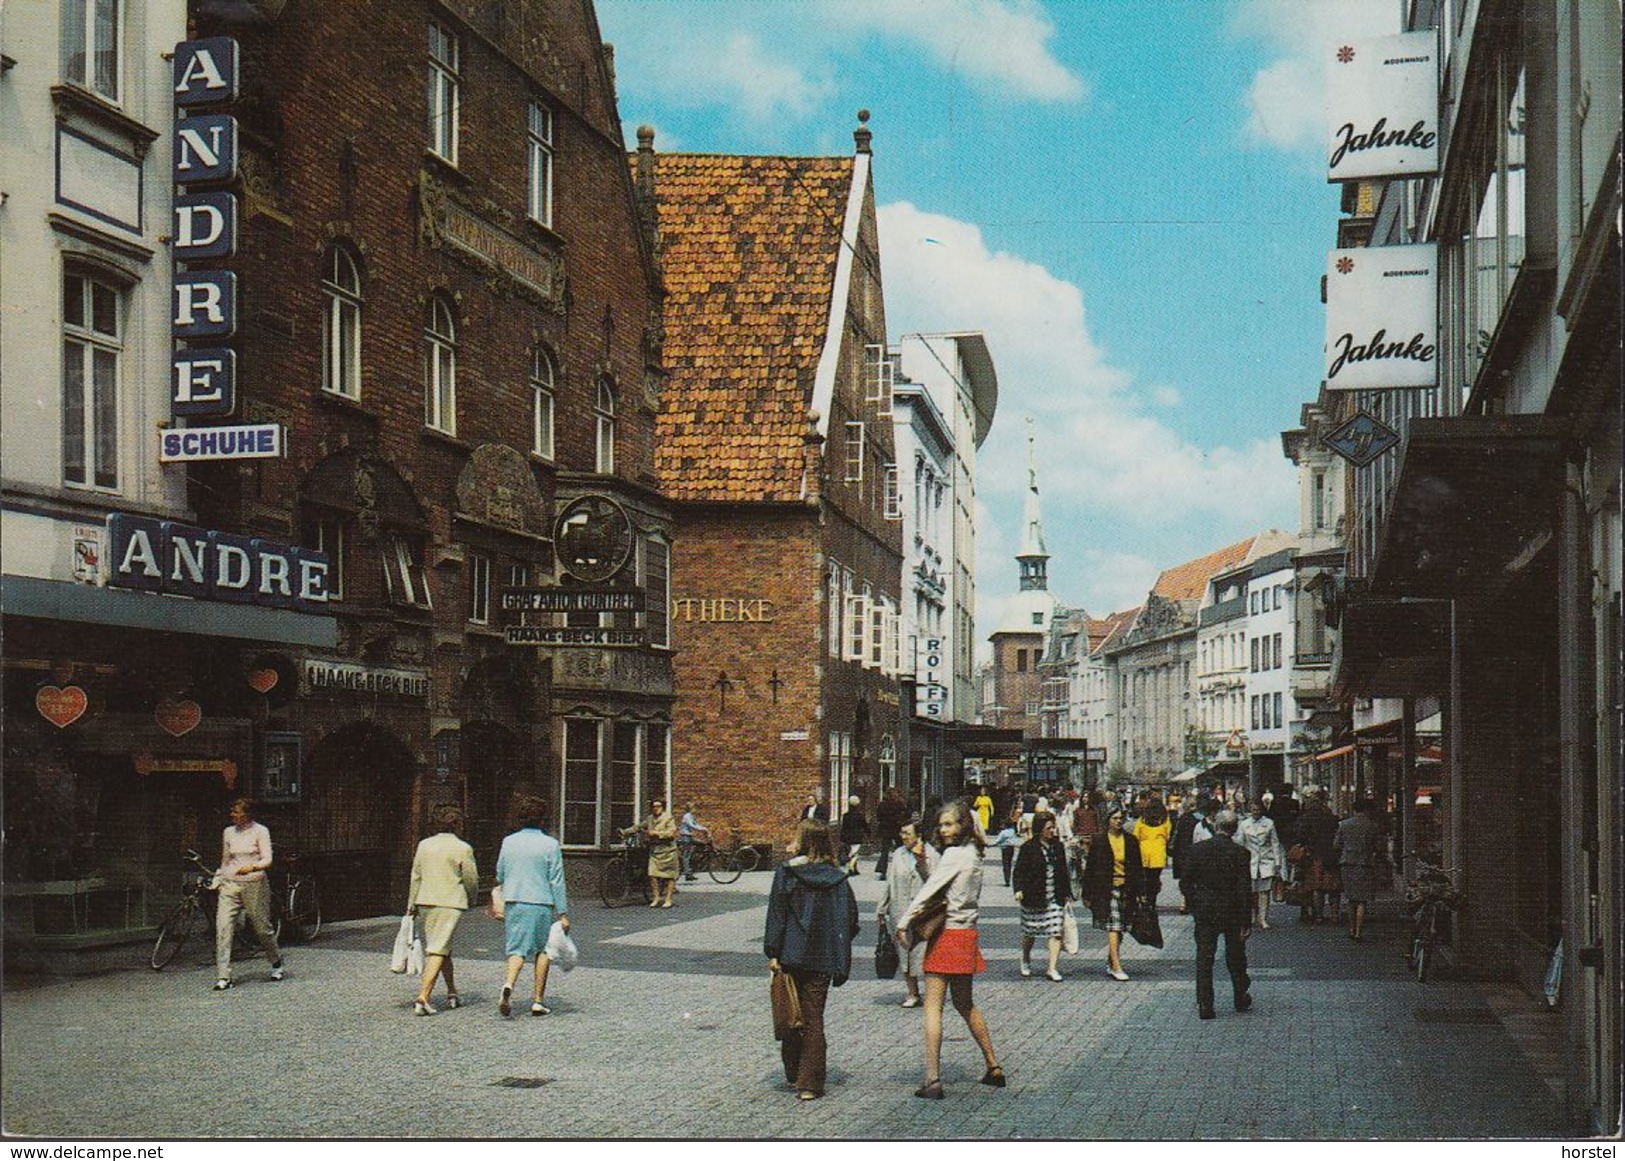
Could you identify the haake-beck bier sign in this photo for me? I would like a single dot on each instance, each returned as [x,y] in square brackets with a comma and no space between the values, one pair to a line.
[1383,99]
[164,556]
[206,77]
[1382,318]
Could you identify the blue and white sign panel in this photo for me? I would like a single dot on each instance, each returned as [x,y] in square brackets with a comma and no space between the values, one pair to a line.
[1382,318]
[205,382]
[206,150]
[163,556]
[931,695]
[207,72]
[205,225]
[205,304]
[252,441]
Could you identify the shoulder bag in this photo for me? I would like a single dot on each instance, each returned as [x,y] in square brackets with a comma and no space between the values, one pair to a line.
[887,959]
[928,924]
[786,1005]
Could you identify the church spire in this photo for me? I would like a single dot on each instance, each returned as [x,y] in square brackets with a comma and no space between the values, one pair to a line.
[1031,557]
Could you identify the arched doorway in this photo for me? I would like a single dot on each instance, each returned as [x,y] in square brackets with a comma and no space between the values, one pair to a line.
[495,765]
[352,830]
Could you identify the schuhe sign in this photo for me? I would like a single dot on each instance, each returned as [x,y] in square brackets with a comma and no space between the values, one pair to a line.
[1384,104]
[1382,318]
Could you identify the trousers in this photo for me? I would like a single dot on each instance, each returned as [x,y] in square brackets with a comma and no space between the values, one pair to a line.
[1235,958]
[252,898]
[804,1052]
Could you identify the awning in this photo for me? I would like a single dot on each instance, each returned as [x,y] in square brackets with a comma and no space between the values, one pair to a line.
[1339,752]
[26,596]
[1392,647]
[1189,774]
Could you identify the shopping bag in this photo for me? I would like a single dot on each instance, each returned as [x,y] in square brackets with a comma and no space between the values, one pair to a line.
[400,954]
[496,909]
[1146,928]
[1069,930]
[414,955]
[887,960]
[786,1005]
[561,949]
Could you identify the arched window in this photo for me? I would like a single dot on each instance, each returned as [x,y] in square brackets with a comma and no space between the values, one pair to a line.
[542,378]
[341,326]
[604,413]
[440,369]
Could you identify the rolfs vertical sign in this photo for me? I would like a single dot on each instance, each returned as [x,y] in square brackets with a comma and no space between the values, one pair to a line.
[1382,318]
[205,156]
[1383,99]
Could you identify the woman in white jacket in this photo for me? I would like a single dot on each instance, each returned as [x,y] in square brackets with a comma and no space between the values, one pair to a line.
[953,957]
[904,878]
[1257,834]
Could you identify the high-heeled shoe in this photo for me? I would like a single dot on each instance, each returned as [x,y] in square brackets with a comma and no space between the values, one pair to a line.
[994,1077]
[931,1090]
[453,1000]
[505,1004]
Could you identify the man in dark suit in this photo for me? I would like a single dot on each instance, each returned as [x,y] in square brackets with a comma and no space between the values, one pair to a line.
[1217,881]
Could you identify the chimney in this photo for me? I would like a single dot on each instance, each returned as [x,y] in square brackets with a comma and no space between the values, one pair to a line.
[861,134]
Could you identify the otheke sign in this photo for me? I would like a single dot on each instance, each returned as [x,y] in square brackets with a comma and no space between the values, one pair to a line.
[162,556]
[256,441]
[547,635]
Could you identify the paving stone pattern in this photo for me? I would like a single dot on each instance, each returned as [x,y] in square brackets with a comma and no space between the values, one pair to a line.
[664,1032]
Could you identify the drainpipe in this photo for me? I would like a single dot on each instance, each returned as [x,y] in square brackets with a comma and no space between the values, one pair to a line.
[1405,792]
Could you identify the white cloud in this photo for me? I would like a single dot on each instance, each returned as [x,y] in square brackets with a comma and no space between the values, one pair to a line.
[1286,99]
[1103,458]
[1004,42]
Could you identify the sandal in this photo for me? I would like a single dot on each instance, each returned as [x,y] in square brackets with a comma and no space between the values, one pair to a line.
[994,1077]
[505,1004]
[453,1000]
[420,1008]
[931,1090]
[807,1094]
[913,1002]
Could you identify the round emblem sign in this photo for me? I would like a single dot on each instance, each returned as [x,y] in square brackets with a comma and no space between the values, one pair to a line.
[593,538]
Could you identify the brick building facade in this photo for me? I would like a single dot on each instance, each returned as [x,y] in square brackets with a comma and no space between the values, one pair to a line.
[775,445]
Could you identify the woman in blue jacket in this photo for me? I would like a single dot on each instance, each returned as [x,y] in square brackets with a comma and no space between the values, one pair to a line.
[812,917]
[530,871]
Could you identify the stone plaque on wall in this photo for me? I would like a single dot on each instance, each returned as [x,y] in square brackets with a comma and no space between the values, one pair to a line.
[496,488]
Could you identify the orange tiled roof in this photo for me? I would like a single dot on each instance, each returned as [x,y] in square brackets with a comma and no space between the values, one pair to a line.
[748,253]
[1188,581]
[1112,628]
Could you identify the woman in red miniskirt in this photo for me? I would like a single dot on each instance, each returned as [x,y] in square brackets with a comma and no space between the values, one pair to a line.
[953,958]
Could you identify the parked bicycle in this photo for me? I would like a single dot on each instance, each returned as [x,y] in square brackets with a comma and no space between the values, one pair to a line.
[625,877]
[297,906]
[195,911]
[723,864]
[1432,899]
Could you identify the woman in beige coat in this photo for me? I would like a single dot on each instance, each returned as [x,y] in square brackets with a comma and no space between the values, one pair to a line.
[445,882]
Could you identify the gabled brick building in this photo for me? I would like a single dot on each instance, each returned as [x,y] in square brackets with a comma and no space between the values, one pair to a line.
[775,450]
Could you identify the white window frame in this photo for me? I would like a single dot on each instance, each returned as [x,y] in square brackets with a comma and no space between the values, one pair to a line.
[600,760]
[854,451]
[85,347]
[539,150]
[879,378]
[604,423]
[440,368]
[328,534]
[405,578]
[543,377]
[875,648]
[855,628]
[445,85]
[479,588]
[840,772]
[836,611]
[893,498]
[82,26]
[341,326]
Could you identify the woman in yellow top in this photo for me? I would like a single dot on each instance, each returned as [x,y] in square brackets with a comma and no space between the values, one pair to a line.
[1114,864]
[983,806]
[1151,831]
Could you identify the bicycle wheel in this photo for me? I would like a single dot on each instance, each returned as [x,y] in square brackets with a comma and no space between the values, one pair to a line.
[1422,954]
[747,858]
[724,868]
[612,883]
[304,911]
[173,933]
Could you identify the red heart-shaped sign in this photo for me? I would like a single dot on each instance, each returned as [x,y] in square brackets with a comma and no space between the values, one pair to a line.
[178,717]
[263,680]
[61,707]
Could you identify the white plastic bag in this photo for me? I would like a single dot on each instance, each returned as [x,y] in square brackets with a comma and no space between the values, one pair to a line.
[561,949]
[414,955]
[1069,930]
[400,956]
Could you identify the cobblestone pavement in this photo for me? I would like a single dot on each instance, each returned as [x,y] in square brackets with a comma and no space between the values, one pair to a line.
[664,1032]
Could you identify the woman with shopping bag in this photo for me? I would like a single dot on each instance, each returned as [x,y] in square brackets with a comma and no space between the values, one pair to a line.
[1043,888]
[812,918]
[445,882]
[907,870]
[530,875]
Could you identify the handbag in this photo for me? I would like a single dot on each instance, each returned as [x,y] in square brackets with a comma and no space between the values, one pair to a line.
[887,959]
[928,924]
[496,909]
[1069,930]
[786,1005]
[1145,927]
[400,954]
[561,949]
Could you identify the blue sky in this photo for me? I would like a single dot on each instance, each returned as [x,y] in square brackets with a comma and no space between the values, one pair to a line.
[1127,196]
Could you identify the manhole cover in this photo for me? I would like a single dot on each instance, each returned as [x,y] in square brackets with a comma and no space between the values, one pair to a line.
[522,1081]
[1454,1016]
[706,1027]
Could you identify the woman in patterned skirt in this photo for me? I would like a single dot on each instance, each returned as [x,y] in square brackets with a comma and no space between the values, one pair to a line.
[1043,888]
[1114,864]
[953,957]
